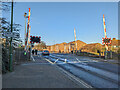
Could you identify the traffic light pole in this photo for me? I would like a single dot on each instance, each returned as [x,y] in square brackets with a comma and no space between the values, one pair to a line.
[105,51]
[30,50]
[10,60]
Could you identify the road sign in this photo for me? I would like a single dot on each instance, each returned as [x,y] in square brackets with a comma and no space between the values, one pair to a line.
[106,41]
[16,35]
[11,34]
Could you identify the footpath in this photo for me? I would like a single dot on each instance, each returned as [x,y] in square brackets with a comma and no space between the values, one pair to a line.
[37,74]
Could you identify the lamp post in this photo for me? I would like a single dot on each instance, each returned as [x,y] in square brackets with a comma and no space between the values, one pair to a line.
[10,59]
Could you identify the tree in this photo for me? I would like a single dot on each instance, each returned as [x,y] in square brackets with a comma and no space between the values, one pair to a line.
[4,5]
[94,49]
[5,26]
[41,45]
[119,50]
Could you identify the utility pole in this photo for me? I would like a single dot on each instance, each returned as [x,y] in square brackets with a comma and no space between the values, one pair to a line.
[10,59]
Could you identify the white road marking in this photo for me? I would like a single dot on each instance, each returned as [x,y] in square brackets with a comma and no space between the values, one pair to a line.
[75,78]
[32,58]
[77,59]
[60,63]
[49,61]
[73,62]
[65,60]
[95,60]
[34,64]
[87,61]
[55,61]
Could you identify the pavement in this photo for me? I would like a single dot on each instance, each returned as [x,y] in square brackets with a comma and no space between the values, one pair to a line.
[37,74]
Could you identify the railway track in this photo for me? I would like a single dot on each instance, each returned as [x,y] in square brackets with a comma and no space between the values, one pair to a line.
[89,63]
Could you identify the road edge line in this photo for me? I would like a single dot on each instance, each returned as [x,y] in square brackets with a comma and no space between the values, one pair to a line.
[74,78]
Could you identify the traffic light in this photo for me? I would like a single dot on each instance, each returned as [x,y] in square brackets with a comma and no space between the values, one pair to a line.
[35,39]
[25,53]
[106,41]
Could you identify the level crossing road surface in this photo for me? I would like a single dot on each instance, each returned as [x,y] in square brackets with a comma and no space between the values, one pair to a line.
[98,73]
[64,71]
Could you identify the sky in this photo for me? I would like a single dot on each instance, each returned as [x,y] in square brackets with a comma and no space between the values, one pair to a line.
[55,22]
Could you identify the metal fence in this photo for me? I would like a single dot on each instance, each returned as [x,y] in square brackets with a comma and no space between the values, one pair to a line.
[17,58]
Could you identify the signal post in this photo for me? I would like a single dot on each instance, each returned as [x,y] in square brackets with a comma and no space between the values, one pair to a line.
[106,41]
[34,39]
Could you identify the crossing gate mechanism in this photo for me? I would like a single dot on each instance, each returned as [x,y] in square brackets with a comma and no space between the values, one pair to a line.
[105,40]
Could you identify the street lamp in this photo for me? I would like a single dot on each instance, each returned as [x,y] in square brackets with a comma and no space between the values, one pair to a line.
[10,54]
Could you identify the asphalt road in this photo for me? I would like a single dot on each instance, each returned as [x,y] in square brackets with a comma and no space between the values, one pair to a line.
[98,73]
[38,73]
[64,71]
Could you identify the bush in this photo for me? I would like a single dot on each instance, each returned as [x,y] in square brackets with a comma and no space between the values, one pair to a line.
[118,51]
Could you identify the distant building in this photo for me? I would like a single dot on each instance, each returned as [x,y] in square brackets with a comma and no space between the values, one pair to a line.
[93,47]
[49,48]
[66,47]
[115,44]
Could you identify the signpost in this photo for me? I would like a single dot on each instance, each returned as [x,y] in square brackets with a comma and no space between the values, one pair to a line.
[11,34]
